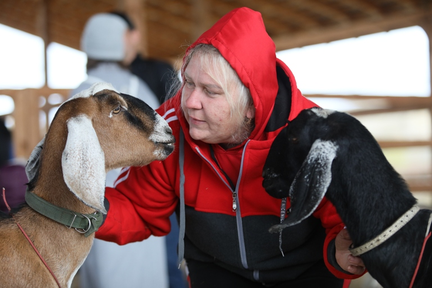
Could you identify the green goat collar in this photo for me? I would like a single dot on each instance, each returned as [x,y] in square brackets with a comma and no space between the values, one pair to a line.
[83,223]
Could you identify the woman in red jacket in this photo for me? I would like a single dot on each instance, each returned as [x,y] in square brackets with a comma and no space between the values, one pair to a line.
[235,98]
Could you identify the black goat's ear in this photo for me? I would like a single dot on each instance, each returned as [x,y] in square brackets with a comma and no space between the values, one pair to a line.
[310,184]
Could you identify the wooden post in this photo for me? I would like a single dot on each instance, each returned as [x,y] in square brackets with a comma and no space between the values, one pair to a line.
[135,9]
[427,27]
[42,31]
[26,114]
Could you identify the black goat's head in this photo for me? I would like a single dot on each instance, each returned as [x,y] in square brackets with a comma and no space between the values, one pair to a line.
[299,163]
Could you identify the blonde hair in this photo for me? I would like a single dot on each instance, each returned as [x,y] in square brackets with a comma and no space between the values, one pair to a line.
[236,93]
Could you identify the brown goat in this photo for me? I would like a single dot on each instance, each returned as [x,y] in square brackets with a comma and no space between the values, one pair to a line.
[97,130]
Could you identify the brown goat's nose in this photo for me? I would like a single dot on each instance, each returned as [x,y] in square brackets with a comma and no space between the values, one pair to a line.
[168,130]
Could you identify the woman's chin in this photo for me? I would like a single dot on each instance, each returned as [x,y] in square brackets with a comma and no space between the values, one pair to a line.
[197,135]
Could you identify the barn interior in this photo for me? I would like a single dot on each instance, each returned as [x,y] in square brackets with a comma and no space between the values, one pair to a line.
[168,26]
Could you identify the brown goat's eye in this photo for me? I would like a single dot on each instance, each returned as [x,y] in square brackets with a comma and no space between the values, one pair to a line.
[117,110]
[293,139]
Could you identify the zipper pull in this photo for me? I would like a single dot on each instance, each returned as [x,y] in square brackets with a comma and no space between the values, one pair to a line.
[234,203]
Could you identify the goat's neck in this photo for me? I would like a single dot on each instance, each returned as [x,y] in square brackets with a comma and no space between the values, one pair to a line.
[50,184]
[369,214]
[368,195]
[368,209]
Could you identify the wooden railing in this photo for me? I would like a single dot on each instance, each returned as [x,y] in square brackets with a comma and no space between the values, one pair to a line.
[34,109]
[31,116]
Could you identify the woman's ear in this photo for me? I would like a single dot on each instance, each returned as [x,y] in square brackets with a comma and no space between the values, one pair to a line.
[250,112]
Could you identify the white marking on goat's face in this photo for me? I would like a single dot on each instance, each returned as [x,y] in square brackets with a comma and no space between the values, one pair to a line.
[162,134]
[324,113]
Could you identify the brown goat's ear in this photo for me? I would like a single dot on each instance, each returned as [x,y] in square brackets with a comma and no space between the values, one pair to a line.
[33,163]
[83,163]
[310,184]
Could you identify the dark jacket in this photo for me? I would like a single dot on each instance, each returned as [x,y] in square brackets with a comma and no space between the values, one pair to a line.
[158,75]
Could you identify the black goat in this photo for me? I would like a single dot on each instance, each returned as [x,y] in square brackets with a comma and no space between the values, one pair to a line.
[328,153]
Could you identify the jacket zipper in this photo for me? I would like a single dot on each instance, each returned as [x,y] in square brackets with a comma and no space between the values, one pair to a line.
[235,205]
[234,201]
[242,245]
[214,168]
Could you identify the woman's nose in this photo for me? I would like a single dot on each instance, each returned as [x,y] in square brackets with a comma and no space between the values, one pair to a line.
[193,100]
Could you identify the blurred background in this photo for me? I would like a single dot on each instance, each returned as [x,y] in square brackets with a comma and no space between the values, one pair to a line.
[368,58]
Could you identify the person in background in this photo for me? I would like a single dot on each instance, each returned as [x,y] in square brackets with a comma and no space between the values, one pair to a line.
[12,172]
[160,76]
[157,74]
[234,99]
[111,46]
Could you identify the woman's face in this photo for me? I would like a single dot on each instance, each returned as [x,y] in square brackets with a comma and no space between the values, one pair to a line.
[206,108]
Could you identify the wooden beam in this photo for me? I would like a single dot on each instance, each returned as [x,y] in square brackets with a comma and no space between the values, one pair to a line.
[369,97]
[321,9]
[200,17]
[402,144]
[367,7]
[282,13]
[419,183]
[347,30]
[419,188]
[380,104]
[42,30]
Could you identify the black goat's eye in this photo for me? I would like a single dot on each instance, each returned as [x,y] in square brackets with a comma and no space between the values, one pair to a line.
[293,139]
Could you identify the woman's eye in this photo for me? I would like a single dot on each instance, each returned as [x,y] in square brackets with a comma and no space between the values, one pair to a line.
[188,83]
[209,92]
[213,92]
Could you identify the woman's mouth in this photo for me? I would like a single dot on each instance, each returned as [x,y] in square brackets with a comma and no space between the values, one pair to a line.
[195,121]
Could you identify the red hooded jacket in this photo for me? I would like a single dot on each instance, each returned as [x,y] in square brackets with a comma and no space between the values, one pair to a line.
[237,239]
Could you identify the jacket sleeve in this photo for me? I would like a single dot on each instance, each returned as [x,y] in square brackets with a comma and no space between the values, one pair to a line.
[139,205]
[333,224]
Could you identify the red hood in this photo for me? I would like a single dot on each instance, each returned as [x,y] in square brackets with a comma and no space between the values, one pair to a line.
[235,35]
[241,38]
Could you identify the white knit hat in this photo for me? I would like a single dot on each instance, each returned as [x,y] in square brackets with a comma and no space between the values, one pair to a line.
[103,37]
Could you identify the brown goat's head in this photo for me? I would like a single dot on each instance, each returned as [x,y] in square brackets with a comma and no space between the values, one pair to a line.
[103,130]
